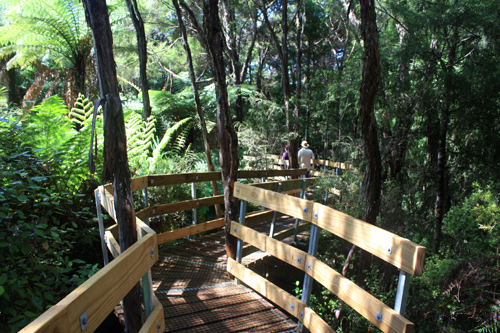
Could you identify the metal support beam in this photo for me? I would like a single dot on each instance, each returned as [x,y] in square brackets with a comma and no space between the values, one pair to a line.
[239,245]
[402,293]
[275,214]
[146,202]
[101,227]
[194,197]
[302,196]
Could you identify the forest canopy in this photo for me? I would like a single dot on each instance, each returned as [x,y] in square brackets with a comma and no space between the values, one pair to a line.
[293,71]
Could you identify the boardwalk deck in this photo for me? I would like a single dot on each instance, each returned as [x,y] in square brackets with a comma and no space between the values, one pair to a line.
[197,295]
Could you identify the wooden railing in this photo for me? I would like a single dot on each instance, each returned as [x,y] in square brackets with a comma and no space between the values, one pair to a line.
[400,252]
[87,306]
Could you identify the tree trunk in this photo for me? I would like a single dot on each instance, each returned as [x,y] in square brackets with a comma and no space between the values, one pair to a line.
[135,15]
[368,91]
[199,108]
[115,145]
[227,135]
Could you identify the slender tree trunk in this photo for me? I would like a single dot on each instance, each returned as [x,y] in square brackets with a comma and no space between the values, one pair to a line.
[115,145]
[285,80]
[368,91]
[227,135]
[199,108]
[142,48]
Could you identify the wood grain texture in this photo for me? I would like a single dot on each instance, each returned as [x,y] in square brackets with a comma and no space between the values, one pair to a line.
[155,322]
[358,299]
[398,251]
[354,296]
[278,296]
[98,296]
[179,206]
[282,203]
[191,230]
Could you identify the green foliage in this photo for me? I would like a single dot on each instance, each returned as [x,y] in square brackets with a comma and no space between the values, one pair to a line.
[43,230]
[473,225]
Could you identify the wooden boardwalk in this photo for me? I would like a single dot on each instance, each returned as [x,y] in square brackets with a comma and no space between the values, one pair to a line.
[191,282]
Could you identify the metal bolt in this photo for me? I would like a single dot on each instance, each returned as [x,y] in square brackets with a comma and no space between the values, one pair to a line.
[196,177]
[389,250]
[316,215]
[154,211]
[379,317]
[292,307]
[159,326]
[83,321]
[234,229]
[152,252]
[302,315]
[309,266]
[232,268]
[152,181]
[305,209]
[298,260]
[238,190]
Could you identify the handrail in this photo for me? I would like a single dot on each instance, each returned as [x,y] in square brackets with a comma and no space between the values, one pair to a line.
[361,301]
[88,305]
[400,252]
[396,250]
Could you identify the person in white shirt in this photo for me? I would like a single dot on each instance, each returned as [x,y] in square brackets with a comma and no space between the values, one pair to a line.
[305,156]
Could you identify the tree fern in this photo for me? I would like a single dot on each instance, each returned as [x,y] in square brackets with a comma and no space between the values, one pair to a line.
[140,136]
[81,113]
[170,140]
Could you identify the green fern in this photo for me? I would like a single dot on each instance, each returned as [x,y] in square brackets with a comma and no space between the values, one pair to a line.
[140,136]
[81,113]
[174,138]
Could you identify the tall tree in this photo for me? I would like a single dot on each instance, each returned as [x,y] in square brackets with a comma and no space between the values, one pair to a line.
[368,91]
[52,38]
[199,108]
[228,138]
[142,48]
[116,166]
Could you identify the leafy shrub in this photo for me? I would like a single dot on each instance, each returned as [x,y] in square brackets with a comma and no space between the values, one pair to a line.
[43,229]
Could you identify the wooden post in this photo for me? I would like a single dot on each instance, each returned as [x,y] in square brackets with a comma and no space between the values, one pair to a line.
[116,166]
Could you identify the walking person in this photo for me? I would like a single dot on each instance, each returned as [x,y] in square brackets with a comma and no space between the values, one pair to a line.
[305,156]
[286,159]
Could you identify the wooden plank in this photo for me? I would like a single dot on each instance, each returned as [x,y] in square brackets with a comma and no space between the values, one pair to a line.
[285,252]
[278,296]
[179,206]
[155,322]
[270,173]
[98,296]
[191,230]
[399,251]
[396,250]
[247,250]
[139,183]
[181,178]
[358,299]
[107,201]
[112,244]
[143,228]
[282,203]
[286,185]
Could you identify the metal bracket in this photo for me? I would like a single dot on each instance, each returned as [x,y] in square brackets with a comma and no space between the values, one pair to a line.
[83,321]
